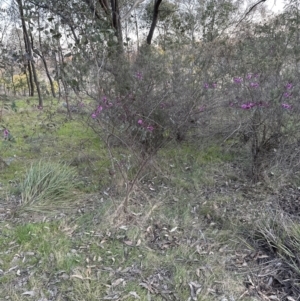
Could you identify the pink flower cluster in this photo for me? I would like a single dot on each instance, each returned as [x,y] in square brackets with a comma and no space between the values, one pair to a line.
[254,85]
[288,86]
[248,105]
[238,80]
[97,112]
[5,134]
[139,75]
[286,106]
[105,104]
[149,127]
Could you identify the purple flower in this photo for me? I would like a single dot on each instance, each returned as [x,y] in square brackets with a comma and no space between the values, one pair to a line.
[249,76]
[5,133]
[139,75]
[94,115]
[40,107]
[140,122]
[245,106]
[206,85]
[286,106]
[248,105]
[287,94]
[150,128]
[214,85]
[237,80]
[254,85]
[289,86]
[104,99]
[99,109]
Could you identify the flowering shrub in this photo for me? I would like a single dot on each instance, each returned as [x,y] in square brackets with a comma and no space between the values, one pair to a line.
[261,109]
[150,112]
[227,89]
[265,125]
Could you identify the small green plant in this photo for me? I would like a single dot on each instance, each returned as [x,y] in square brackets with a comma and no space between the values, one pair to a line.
[47,185]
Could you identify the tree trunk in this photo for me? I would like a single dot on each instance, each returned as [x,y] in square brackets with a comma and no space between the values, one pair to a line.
[42,56]
[62,77]
[29,79]
[31,83]
[154,21]
[28,48]
[35,77]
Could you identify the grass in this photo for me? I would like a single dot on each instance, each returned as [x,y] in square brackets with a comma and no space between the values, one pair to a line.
[92,258]
[280,235]
[178,240]
[47,186]
[66,141]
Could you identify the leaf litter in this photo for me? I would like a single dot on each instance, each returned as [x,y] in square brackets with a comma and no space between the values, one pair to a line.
[193,247]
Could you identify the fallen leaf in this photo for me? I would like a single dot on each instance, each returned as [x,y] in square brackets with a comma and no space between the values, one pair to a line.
[195,289]
[80,277]
[29,293]
[117,282]
[77,276]
[128,242]
[173,229]
[135,295]
[88,271]
[273,297]
[113,297]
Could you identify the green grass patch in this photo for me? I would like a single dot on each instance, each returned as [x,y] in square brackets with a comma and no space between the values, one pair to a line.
[190,167]
[47,185]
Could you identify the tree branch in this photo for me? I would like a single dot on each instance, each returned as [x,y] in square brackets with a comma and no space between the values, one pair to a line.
[92,8]
[104,5]
[251,8]
[136,3]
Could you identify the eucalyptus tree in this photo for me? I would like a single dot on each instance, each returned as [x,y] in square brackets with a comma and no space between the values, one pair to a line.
[29,52]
